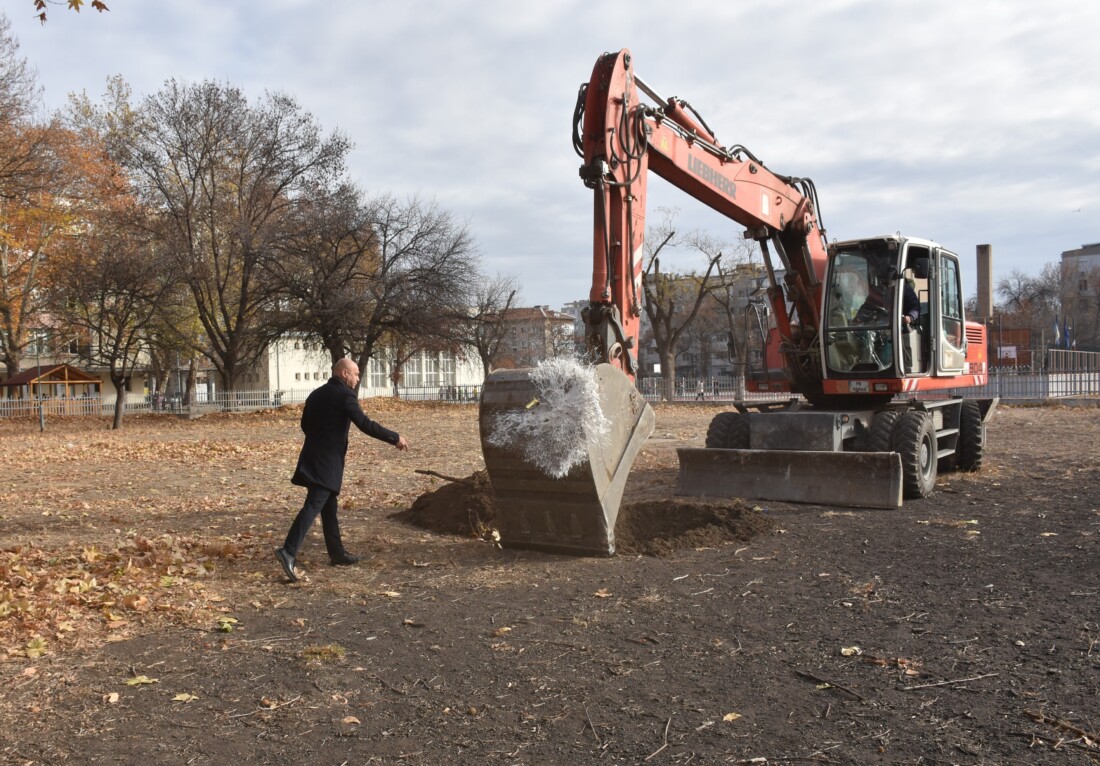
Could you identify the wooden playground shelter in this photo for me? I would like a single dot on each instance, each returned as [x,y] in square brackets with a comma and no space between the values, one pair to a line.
[64,389]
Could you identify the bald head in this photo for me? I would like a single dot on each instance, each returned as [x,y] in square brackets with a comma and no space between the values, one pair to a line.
[347,371]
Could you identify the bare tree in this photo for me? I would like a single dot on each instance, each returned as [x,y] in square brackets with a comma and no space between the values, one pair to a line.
[1032,302]
[110,299]
[326,269]
[483,329]
[738,273]
[425,271]
[225,176]
[674,298]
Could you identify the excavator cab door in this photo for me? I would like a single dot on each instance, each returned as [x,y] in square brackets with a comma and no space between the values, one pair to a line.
[948,315]
[916,336]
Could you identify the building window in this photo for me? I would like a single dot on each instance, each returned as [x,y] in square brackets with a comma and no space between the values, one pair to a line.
[38,344]
[412,372]
[431,369]
[297,376]
[379,373]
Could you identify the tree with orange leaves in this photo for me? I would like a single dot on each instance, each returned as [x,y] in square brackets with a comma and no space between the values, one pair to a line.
[103,281]
[39,223]
[40,6]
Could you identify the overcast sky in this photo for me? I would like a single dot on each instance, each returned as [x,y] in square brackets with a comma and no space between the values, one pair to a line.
[964,122]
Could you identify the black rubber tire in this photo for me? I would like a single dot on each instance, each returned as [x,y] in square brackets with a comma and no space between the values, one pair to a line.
[728,430]
[880,437]
[915,440]
[971,442]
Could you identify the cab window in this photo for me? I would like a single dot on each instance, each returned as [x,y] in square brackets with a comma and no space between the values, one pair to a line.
[951,305]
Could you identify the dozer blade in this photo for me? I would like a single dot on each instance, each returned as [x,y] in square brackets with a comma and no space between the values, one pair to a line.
[859,479]
[576,513]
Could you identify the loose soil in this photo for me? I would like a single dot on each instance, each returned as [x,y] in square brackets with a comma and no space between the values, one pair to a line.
[143,618]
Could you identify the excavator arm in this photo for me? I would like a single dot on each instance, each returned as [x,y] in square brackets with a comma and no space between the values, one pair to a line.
[621,139]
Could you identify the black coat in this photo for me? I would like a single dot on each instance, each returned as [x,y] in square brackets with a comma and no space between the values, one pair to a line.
[326,421]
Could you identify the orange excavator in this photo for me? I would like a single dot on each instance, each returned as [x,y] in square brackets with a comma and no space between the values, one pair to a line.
[869,335]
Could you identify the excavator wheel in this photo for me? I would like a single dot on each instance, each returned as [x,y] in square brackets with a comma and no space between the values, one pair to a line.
[728,430]
[915,440]
[968,454]
[881,434]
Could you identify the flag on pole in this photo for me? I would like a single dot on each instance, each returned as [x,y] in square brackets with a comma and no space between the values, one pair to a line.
[1057,332]
[1065,333]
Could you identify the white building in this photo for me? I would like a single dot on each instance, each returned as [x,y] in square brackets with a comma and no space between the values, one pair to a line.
[295,365]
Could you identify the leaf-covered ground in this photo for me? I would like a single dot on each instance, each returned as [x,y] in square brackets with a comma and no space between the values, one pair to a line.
[143,617]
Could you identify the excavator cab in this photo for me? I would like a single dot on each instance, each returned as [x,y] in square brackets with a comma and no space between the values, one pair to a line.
[884,317]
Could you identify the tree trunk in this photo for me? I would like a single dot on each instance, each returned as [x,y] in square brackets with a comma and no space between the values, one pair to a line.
[120,401]
[192,380]
[668,375]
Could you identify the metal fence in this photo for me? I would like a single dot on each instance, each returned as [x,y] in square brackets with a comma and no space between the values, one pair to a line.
[1010,385]
[703,390]
[1036,387]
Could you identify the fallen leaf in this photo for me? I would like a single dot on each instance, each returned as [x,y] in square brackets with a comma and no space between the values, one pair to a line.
[851,651]
[731,716]
[1048,534]
[111,698]
[390,594]
[602,593]
[350,720]
[184,697]
[36,647]
[225,624]
[501,631]
[140,680]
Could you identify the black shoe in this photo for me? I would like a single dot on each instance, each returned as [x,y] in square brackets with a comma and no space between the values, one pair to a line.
[344,559]
[288,563]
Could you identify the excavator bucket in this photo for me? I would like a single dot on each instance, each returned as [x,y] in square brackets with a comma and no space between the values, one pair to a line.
[858,479]
[575,513]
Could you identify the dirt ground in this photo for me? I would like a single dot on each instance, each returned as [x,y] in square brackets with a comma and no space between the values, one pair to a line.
[143,618]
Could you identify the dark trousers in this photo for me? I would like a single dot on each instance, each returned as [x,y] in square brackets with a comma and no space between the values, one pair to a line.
[318,501]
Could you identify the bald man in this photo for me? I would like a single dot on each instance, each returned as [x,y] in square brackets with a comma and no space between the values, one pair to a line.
[326,421]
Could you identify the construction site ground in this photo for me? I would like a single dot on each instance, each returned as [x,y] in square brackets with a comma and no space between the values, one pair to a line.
[144,619]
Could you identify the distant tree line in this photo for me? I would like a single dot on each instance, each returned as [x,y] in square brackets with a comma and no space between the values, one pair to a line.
[196,223]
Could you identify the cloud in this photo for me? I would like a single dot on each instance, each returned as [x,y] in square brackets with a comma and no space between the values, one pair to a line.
[965,122]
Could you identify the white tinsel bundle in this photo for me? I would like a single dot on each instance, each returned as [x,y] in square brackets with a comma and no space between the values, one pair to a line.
[551,435]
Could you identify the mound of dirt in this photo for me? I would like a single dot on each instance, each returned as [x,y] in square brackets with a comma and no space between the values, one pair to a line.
[654,528]
[457,508]
[661,527]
